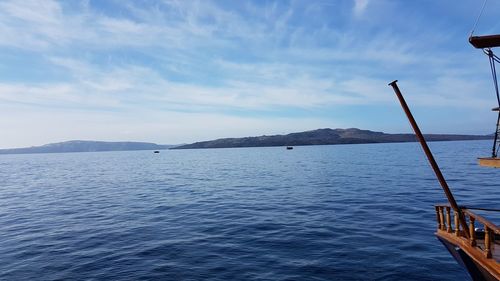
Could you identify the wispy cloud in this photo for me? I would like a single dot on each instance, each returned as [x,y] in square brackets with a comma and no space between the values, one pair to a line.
[235,60]
[360,7]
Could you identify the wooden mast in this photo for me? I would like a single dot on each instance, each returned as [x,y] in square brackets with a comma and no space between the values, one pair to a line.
[430,157]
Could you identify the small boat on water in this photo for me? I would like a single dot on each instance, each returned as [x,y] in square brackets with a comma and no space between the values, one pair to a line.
[289,147]
[156,151]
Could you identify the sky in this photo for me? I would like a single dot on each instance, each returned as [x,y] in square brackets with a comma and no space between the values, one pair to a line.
[174,72]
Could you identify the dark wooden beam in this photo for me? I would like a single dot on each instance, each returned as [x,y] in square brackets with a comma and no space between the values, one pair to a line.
[430,157]
[486,41]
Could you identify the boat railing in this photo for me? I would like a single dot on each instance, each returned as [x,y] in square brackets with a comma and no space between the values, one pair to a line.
[448,221]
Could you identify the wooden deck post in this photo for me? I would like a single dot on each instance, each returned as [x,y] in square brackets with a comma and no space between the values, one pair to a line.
[438,217]
[487,242]
[472,231]
[441,218]
[449,229]
[457,224]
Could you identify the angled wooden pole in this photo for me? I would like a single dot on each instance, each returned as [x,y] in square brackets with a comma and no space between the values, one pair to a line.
[430,157]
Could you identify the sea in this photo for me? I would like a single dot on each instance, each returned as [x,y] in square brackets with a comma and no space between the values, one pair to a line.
[332,212]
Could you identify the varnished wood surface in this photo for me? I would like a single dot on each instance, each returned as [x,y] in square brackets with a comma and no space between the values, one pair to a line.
[489,162]
[492,265]
[481,245]
[493,227]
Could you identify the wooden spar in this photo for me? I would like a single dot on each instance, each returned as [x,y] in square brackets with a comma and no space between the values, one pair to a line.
[486,41]
[430,157]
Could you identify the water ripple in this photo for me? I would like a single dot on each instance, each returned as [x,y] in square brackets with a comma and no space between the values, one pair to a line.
[350,212]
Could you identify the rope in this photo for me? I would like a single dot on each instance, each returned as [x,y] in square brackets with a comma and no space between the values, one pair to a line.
[479,16]
[490,54]
[498,147]
[493,58]
[481,209]
[495,152]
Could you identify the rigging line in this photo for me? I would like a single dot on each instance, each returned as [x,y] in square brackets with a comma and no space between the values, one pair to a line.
[481,209]
[495,57]
[494,73]
[491,54]
[491,57]
[477,20]
[495,152]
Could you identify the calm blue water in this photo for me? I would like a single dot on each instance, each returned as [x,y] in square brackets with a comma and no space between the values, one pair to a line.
[347,212]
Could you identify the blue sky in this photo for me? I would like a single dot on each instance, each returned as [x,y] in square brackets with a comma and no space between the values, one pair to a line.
[183,71]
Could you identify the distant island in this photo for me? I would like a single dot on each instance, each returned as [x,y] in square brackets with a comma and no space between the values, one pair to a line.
[85,146]
[324,137]
[314,137]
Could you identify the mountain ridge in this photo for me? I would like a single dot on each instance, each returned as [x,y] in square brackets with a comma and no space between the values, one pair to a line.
[325,136]
[85,146]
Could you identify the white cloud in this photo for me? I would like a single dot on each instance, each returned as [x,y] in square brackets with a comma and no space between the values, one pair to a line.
[360,6]
[46,126]
[196,56]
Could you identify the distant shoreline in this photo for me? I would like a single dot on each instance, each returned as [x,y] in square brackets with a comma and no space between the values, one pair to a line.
[315,137]
[174,148]
[325,137]
[270,146]
[85,146]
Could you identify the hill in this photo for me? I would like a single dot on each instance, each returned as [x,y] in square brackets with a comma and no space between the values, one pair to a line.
[323,137]
[85,146]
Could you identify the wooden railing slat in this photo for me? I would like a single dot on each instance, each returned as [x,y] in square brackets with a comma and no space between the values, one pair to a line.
[444,223]
[484,221]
